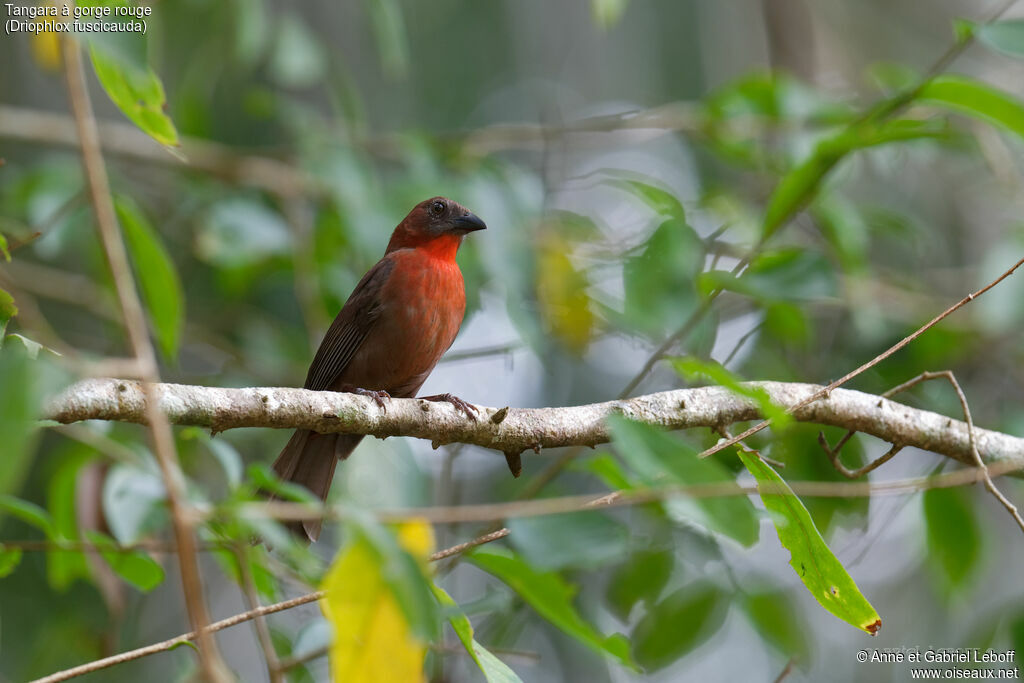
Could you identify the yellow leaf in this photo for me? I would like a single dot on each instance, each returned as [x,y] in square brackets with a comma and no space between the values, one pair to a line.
[372,639]
[562,292]
[45,45]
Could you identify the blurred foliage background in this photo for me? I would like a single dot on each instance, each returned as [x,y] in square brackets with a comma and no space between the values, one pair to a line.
[628,157]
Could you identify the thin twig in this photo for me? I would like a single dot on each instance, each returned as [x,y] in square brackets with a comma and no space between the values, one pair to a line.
[948,374]
[724,432]
[293,661]
[899,388]
[100,442]
[481,352]
[135,323]
[954,51]
[786,671]
[277,177]
[316,653]
[742,340]
[60,285]
[494,512]
[463,547]
[176,641]
[833,455]
[695,318]
[689,325]
[870,364]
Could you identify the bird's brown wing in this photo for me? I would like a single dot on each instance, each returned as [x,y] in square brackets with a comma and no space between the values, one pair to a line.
[349,329]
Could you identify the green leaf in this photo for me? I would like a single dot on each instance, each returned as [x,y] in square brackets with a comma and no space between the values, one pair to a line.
[653,454]
[262,577]
[677,625]
[239,232]
[4,251]
[161,289]
[661,282]
[641,577]
[822,574]
[19,402]
[133,501]
[265,478]
[135,566]
[253,30]
[952,533]
[551,597]
[183,643]
[772,616]
[661,200]
[64,566]
[31,348]
[9,560]
[494,670]
[127,48]
[390,35]
[893,77]
[138,94]
[30,513]
[973,98]
[775,96]
[963,30]
[607,13]
[805,461]
[800,184]
[605,467]
[790,274]
[1017,632]
[579,540]
[227,456]
[1005,36]
[7,311]
[692,368]
[789,324]
[298,59]
[846,230]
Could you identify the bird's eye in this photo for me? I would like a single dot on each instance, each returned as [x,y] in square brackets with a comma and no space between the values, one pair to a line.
[437,208]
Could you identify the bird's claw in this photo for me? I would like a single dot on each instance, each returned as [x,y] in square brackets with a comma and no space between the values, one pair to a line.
[377,396]
[467,408]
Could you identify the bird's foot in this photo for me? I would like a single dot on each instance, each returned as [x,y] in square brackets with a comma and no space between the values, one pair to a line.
[377,396]
[468,408]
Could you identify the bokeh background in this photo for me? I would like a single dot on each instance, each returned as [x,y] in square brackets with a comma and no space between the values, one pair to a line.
[310,129]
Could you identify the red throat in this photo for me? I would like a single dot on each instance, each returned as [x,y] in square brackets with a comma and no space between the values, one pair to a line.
[443,247]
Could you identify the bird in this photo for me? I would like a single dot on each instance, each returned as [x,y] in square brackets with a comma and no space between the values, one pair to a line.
[396,324]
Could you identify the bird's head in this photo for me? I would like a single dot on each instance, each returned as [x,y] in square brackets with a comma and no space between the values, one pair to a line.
[436,223]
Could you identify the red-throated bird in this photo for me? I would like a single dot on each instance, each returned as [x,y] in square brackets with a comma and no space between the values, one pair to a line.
[398,321]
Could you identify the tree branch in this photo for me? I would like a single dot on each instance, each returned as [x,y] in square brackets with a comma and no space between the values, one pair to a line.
[513,430]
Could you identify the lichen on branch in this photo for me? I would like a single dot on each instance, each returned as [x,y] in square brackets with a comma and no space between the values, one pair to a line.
[514,430]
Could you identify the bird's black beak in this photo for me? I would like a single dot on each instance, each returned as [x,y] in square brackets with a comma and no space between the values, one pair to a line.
[469,223]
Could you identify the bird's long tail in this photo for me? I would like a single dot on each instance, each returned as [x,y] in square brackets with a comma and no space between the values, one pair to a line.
[309,459]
